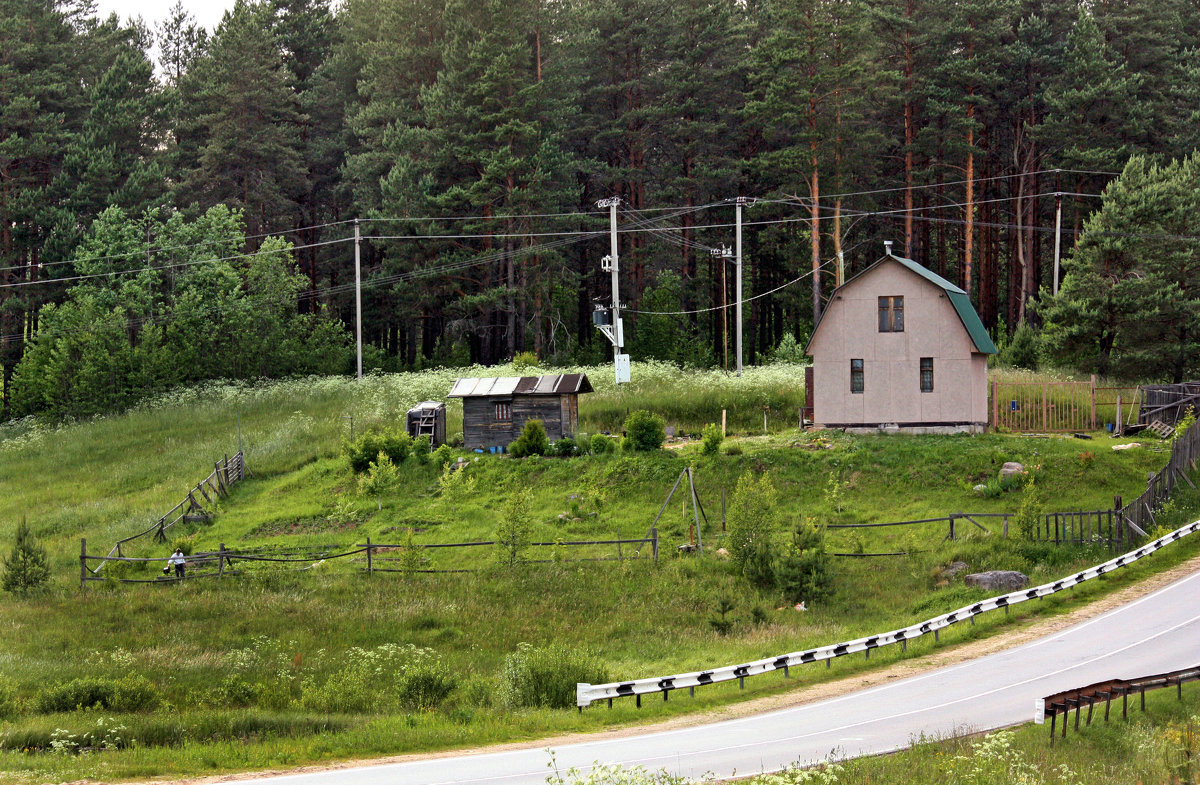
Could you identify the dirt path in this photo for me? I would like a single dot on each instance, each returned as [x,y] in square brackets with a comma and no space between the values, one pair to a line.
[817,692]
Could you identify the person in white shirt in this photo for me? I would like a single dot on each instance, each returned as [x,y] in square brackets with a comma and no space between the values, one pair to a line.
[178,560]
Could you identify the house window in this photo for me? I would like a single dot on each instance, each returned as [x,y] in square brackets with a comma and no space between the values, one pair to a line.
[891,314]
[856,376]
[503,412]
[926,374]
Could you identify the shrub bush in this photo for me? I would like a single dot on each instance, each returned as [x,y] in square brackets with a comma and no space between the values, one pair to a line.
[523,361]
[803,572]
[129,693]
[547,676]
[364,450]
[712,438]
[733,449]
[644,432]
[443,456]
[420,449]
[426,687]
[564,447]
[602,445]
[532,440]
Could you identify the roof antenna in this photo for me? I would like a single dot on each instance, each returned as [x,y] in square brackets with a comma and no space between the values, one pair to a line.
[887,247]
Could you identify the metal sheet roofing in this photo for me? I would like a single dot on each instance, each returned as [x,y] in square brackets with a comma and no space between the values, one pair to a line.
[555,384]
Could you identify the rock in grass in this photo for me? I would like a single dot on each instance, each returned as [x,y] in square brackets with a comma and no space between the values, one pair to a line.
[954,569]
[998,580]
[1010,469]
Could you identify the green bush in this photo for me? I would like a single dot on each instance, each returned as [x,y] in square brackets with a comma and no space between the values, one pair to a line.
[1022,350]
[564,447]
[532,440]
[603,445]
[644,432]
[443,456]
[733,449]
[363,451]
[426,687]
[420,449]
[547,676]
[523,361]
[712,438]
[236,691]
[129,693]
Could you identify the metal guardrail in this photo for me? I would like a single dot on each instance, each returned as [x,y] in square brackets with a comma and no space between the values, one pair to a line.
[1062,702]
[586,694]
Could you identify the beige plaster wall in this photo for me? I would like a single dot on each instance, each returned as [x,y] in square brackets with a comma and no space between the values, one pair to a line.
[891,361]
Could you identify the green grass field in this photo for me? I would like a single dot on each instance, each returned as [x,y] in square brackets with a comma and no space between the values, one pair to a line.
[281,666]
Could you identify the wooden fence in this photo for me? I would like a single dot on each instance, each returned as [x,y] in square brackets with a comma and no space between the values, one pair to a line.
[377,557]
[1168,402]
[1062,407]
[1138,515]
[225,474]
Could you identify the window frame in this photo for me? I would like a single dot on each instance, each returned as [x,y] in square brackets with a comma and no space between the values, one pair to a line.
[923,370]
[891,313]
[857,374]
[503,412]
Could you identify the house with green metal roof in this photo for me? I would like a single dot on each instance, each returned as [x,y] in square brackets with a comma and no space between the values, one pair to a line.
[899,347]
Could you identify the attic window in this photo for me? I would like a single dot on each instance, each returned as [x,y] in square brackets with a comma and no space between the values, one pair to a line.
[891,314]
[503,412]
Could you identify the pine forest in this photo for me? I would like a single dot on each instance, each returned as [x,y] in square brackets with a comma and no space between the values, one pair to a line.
[180,204]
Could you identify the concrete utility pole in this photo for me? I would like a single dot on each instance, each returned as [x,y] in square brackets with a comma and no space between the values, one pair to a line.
[614,330]
[1057,237]
[741,200]
[358,294]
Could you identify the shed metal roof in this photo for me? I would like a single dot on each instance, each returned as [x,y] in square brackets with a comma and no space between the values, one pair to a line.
[958,298]
[554,384]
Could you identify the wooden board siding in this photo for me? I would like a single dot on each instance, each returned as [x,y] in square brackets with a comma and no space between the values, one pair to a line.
[558,413]
[480,428]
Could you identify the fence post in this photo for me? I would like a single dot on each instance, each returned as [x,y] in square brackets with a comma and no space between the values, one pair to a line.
[952,526]
[226,470]
[82,562]
[370,566]
[1117,507]
[1005,525]
[221,560]
[654,541]
[995,403]
[1093,392]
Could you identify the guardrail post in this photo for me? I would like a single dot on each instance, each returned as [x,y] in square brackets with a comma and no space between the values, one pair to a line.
[82,562]
[370,566]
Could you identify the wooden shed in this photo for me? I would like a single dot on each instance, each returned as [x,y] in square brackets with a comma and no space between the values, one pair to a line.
[495,410]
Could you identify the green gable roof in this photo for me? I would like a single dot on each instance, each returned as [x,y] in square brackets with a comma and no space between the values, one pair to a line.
[958,298]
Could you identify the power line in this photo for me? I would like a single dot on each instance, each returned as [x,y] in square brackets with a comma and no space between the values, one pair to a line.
[157,268]
[164,248]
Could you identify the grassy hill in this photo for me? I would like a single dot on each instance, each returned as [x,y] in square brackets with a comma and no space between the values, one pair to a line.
[324,662]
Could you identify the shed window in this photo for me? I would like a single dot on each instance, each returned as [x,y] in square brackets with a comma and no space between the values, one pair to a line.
[503,412]
[891,314]
[926,374]
[856,376]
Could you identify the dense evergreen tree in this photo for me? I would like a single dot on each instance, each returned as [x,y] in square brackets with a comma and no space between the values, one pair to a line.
[472,140]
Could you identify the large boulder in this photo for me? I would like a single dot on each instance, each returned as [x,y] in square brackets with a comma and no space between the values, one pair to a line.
[998,580]
[1010,469]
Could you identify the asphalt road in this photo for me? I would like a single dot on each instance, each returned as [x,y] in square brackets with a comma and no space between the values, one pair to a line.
[1155,633]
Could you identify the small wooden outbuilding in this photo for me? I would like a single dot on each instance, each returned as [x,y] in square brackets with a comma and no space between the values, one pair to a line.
[495,410]
[428,418]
